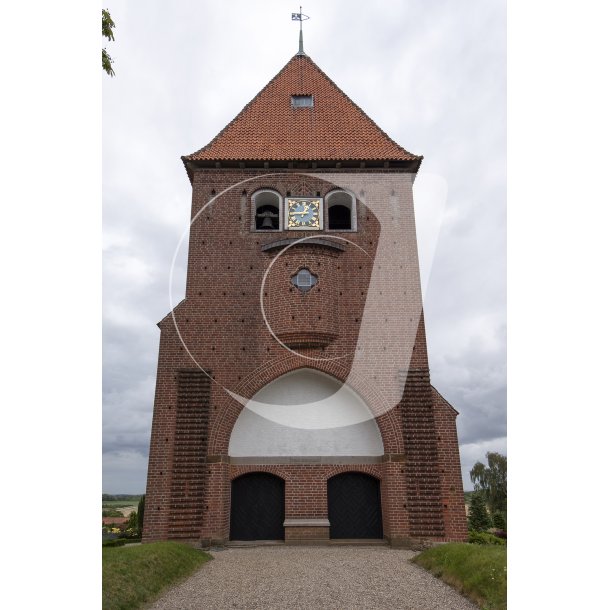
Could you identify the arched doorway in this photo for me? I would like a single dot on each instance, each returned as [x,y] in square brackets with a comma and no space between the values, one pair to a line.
[257,507]
[354,506]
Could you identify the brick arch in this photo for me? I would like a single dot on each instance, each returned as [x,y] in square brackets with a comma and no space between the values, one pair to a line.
[339,189]
[229,409]
[258,468]
[264,187]
[371,470]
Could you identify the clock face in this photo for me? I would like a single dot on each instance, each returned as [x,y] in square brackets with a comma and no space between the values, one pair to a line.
[303,213]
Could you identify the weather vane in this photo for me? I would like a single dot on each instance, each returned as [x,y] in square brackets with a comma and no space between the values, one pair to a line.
[300,18]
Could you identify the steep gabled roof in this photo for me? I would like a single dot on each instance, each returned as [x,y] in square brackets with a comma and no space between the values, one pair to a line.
[270,129]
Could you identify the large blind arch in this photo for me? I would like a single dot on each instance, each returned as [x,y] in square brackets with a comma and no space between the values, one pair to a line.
[306,413]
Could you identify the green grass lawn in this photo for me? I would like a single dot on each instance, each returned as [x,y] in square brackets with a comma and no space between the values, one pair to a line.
[475,570]
[135,575]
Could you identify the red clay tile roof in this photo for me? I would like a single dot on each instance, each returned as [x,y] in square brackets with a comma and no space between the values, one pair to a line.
[114,520]
[268,128]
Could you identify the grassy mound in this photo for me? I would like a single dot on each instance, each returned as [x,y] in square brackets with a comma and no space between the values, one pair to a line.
[134,575]
[477,571]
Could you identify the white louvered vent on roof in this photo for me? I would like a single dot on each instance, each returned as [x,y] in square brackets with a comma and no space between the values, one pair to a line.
[302,101]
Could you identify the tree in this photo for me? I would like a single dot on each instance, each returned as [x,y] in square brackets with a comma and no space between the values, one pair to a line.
[499,520]
[478,518]
[107,27]
[132,522]
[141,515]
[490,480]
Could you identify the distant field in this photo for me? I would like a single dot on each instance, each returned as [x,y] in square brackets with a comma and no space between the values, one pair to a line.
[119,503]
[125,505]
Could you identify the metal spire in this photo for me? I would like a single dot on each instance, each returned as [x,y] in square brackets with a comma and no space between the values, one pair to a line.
[300,18]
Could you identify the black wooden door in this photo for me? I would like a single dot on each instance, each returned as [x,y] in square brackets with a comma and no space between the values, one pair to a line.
[354,506]
[257,507]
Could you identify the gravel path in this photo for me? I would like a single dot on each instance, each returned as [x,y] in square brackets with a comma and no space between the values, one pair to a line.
[292,577]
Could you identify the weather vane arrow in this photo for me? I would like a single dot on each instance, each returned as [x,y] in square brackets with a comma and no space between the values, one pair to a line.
[300,17]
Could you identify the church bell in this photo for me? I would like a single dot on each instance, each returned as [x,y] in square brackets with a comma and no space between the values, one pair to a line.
[267,217]
[267,223]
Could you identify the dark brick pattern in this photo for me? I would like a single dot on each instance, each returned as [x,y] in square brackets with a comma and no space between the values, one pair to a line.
[421,468]
[190,448]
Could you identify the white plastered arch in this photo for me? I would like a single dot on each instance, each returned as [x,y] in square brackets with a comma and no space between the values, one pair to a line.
[305,413]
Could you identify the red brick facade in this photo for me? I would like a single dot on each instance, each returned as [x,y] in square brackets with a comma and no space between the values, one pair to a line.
[217,340]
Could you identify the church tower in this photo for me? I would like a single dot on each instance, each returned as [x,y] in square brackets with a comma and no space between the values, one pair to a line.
[293,398]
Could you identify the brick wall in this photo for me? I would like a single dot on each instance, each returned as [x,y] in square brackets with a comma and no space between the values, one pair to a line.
[220,328]
[306,534]
[452,492]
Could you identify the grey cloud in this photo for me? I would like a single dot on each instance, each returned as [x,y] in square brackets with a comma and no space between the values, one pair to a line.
[431,74]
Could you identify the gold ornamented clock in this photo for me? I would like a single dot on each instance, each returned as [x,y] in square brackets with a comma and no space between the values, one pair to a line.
[304,213]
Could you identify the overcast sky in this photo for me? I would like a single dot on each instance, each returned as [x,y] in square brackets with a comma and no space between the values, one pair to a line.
[432,74]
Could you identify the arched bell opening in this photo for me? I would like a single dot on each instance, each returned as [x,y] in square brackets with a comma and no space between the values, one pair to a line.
[267,210]
[341,207]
